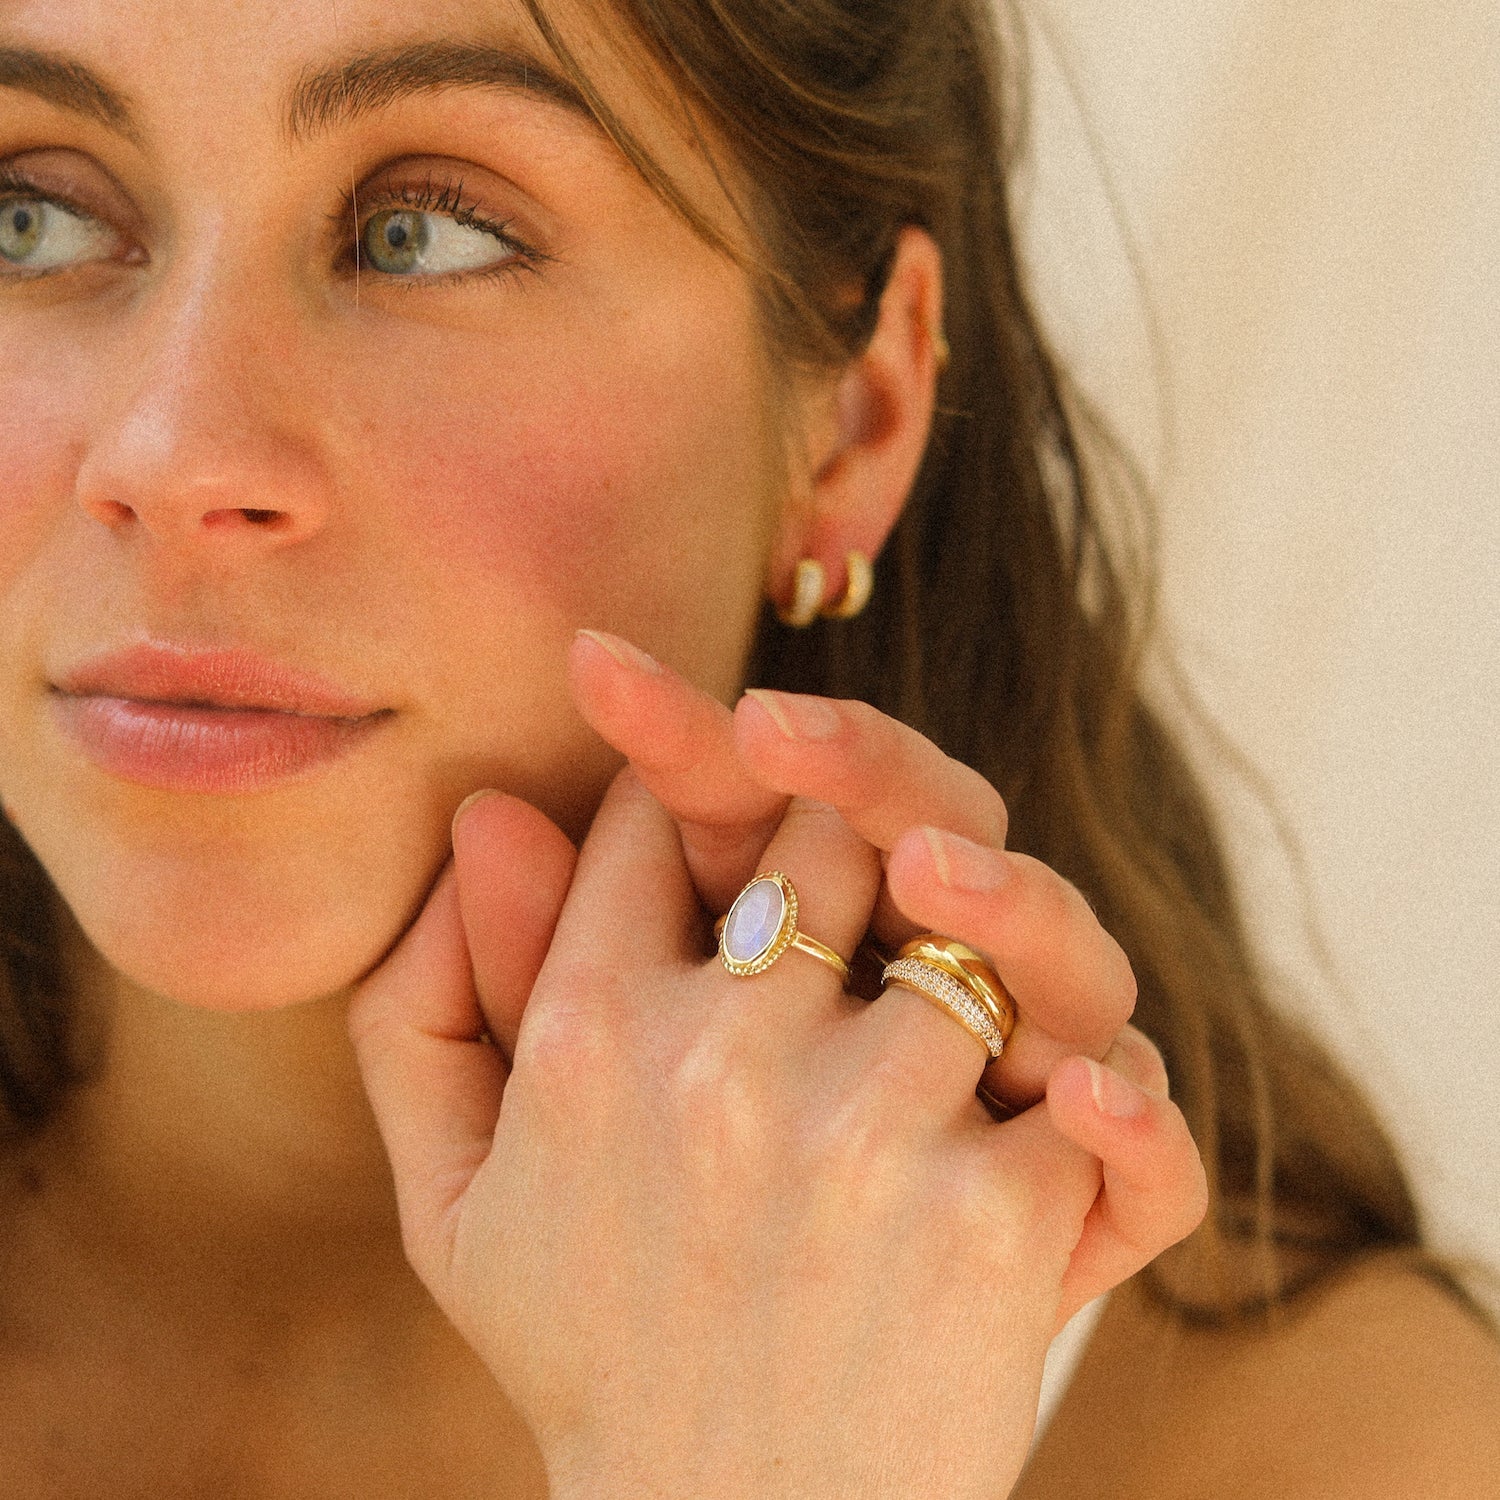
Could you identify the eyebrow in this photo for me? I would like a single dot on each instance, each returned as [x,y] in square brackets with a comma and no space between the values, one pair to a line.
[372,81]
[66,83]
[323,98]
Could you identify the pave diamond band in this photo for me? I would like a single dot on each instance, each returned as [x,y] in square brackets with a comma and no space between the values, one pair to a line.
[929,980]
[953,975]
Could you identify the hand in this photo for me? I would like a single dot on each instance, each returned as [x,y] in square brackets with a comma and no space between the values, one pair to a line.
[940,826]
[437,1087]
[728,778]
[726,1236]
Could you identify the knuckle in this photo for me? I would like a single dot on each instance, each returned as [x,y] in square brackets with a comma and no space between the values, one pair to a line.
[993,815]
[566,1045]
[854,1133]
[716,1097]
[986,1222]
[1194,1197]
[813,814]
[874,735]
[1045,901]
[367,1016]
[1198,1200]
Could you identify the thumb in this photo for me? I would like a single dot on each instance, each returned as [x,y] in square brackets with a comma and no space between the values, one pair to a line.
[514,867]
[432,1072]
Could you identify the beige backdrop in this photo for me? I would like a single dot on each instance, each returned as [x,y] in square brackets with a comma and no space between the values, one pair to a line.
[1315,194]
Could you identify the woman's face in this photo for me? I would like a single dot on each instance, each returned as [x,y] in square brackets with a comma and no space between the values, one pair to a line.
[532,400]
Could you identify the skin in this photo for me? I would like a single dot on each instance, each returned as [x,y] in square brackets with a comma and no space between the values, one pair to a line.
[433,544]
[212,1220]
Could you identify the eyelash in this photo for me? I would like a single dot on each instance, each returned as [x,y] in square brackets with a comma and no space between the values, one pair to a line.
[355,211]
[350,218]
[14,185]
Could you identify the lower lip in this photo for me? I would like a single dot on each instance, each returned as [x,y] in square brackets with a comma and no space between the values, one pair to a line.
[183,747]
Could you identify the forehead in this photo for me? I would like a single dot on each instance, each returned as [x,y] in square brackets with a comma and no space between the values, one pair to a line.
[225,82]
[121,56]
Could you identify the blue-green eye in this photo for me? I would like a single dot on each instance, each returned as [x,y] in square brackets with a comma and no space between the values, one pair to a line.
[39,235]
[415,242]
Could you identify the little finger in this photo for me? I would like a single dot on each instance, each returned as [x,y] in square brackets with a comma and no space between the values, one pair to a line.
[1155,1191]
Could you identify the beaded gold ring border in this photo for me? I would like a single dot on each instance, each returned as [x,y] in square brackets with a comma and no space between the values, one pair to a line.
[786,935]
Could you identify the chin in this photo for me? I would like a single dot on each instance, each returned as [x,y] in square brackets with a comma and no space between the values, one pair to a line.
[223,977]
[224,932]
[245,962]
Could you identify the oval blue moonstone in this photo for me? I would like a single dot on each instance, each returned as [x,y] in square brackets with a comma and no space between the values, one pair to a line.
[753,921]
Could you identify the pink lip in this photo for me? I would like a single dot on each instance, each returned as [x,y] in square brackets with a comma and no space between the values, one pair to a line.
[208,721]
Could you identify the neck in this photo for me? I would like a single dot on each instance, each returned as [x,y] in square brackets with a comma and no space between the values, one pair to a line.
[229,1149]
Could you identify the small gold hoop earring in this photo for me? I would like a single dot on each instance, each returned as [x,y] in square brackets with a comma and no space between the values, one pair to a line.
[941,353]
[858,586]
[808,587]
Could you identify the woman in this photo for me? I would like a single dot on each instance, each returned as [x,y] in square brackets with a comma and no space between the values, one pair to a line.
[364,357]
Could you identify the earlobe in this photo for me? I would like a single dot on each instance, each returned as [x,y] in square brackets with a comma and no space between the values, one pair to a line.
[876,423]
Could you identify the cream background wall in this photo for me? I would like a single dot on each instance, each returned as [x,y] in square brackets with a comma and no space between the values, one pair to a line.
[1314,191]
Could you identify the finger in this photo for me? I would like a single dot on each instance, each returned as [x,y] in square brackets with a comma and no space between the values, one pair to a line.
[1031,1166]
[882,775]
[631,904]
[433,1079]
[1135,1055]
[835,875]
[513,867]
[680,743]
[1072,984]
[1155,1191]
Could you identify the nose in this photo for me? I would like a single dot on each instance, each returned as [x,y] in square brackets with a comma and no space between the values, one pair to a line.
[210,441]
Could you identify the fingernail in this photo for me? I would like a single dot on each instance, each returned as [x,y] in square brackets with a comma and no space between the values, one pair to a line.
[463,807]
[623,652]
[798,718]
[966,866]
[1147,1057]
[1114,1095]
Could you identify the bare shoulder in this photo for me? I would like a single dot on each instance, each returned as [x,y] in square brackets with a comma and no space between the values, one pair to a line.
[1378,1386]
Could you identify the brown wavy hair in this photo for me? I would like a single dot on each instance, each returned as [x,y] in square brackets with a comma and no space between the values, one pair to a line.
[1011,611]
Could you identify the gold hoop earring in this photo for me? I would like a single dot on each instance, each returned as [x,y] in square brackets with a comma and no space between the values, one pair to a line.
[808,587]
[858,586]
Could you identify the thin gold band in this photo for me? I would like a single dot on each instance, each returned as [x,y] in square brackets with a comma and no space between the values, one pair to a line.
[814,949]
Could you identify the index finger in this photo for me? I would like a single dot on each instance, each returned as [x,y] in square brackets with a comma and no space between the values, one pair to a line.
[680,744]
[884,776]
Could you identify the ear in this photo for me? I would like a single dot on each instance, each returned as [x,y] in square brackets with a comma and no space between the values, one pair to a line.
[863,437]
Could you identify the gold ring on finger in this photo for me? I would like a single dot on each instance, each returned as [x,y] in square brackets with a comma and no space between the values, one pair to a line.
[961,981]
[761,925]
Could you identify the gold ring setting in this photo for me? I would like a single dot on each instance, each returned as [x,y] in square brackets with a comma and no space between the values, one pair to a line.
[961,981]
[761,925]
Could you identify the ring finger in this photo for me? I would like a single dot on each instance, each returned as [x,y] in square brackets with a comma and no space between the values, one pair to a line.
[834,876]
[1071,982]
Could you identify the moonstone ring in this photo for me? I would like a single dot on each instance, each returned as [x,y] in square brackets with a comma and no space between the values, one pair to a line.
[762,924]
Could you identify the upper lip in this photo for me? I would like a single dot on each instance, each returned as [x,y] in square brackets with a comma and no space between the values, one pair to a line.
[160,673]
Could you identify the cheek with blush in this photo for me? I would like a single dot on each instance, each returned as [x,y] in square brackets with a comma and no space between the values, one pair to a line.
[624,506]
